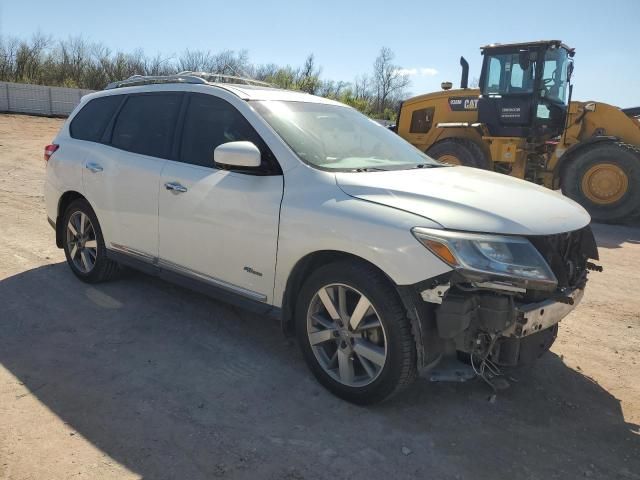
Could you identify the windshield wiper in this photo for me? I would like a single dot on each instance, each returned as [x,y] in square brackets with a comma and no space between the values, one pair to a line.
[427,165]
[369,169]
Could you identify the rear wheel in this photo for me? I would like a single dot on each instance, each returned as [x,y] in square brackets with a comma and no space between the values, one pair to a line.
[459,151]
[354,333]
[84,246]
[605,179]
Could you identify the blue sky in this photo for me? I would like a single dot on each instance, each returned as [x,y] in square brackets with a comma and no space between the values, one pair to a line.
[346,35]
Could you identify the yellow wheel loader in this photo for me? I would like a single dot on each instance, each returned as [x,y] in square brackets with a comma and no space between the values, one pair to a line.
[522,122]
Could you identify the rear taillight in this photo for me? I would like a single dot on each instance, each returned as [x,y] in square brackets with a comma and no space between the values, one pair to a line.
[49,150]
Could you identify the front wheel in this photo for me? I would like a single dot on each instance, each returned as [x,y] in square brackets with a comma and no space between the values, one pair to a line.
[354,333]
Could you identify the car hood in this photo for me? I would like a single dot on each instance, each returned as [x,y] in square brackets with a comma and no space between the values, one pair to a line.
[469,199]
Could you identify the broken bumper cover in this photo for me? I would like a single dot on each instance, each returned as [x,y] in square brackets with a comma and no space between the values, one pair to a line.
[535,317]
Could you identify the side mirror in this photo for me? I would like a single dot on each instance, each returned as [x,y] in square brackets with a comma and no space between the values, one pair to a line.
[237,154]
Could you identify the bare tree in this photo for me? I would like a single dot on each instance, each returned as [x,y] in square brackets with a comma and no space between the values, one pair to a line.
[229,62]
[388,81]
[8,56]
[195,61]
[332,89]
[362,87]
[76,62]
[308,77]
[29,57]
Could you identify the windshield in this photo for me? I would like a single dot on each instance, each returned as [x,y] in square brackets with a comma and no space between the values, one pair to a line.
[334,137]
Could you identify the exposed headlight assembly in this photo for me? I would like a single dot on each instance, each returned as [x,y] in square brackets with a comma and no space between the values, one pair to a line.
[483,257]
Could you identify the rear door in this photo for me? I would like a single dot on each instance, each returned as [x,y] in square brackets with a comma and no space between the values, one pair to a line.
[122,176]
[220,226]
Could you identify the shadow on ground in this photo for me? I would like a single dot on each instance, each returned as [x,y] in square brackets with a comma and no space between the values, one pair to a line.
[172,384]
[613,236]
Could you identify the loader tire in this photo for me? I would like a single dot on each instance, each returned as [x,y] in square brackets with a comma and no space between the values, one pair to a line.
[605,180]
[459,151]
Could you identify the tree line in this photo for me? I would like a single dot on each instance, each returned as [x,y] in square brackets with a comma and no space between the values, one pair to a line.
[78,63]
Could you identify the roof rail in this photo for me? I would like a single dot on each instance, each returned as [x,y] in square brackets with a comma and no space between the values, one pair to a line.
[184,77]
[223,78]
[152,79]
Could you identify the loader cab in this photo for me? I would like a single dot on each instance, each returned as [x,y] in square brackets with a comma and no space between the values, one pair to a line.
[524,89]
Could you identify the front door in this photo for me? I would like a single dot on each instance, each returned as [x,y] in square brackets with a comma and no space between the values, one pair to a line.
[216,225]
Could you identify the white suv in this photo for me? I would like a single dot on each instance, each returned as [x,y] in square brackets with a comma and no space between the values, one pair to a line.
[382,261]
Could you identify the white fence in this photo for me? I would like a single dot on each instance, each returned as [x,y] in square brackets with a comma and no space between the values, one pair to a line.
[39,99]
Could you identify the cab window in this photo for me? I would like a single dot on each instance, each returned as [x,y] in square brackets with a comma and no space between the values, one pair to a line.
[510,73]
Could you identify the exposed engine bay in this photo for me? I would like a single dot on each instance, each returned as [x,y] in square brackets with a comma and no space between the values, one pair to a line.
[495,324]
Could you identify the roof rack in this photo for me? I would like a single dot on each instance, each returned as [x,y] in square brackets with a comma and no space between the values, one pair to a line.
[206,78]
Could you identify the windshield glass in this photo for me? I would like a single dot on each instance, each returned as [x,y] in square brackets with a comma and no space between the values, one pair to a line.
[554,77]
[334,137]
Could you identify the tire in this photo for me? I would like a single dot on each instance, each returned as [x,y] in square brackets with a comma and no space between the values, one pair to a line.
[614,198]
[460,151]
[362,381]
[101,268]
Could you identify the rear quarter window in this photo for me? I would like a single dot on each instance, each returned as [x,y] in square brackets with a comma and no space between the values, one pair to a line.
[90,122]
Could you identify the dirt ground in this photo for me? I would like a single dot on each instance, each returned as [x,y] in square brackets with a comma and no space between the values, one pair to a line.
[141,379]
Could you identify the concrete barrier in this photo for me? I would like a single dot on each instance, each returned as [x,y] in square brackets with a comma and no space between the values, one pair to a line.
[39,99]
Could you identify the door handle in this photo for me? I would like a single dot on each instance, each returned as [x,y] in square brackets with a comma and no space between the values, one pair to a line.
[175,187]
[94,167]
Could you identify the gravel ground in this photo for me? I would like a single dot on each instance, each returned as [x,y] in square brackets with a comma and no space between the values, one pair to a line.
[139,378]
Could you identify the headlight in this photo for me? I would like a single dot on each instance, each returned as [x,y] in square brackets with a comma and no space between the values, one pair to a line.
[481,257]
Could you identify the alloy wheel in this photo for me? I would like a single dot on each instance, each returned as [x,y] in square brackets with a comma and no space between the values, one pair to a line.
[81,242]
[346,335]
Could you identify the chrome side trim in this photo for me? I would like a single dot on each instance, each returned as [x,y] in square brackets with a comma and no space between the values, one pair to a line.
[147,257]
[211,280]
[160,263]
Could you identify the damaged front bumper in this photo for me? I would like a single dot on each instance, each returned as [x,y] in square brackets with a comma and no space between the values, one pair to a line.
[498,320]
[534,317]
[496,325]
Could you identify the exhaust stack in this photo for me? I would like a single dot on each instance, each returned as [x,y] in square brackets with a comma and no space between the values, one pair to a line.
[464,81]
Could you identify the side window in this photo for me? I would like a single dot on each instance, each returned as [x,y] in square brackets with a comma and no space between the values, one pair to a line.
[493,78]
[421,120]
[90,122]
[146,124]
[210,122]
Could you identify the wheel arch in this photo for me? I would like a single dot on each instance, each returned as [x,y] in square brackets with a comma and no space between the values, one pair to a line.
[305,267]
[310,262]
[65,200]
